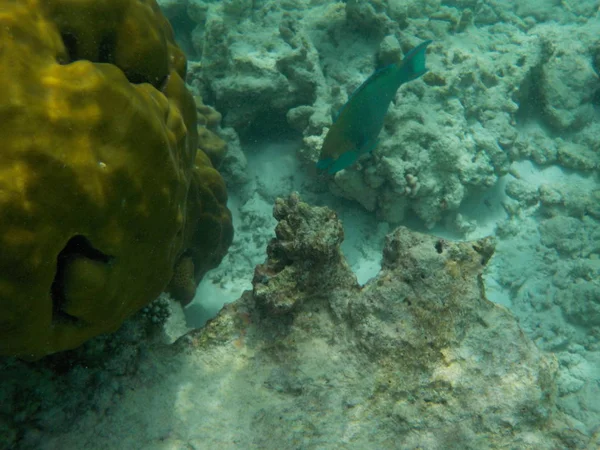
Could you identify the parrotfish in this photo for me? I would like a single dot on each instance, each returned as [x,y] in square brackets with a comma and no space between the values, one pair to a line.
[355,130]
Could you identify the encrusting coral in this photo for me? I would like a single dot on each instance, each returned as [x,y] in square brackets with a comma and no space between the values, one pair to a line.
[99,170]
[208,141]
[208,231]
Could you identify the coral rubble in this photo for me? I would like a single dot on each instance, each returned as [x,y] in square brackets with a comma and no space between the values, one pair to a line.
[453,134]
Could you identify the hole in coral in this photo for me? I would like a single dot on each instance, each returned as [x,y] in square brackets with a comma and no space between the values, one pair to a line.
[106,49]
[530,98]
[77,247]
[162,83]
[70,42]
[139,78]
[183,27]
[106,54]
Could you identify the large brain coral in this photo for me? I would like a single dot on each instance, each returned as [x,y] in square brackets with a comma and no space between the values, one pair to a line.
[98,170]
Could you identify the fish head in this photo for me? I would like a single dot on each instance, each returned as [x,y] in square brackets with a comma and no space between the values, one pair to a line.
[337,152]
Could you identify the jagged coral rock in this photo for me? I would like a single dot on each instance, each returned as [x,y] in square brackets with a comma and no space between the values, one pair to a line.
[98,146]
[369,17]
[301,258]
[413,353]
[565,93]
[255,84]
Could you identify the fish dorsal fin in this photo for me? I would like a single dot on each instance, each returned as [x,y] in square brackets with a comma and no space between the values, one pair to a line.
[378,73]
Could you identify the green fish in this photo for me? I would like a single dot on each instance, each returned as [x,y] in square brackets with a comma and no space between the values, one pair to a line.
[354,132]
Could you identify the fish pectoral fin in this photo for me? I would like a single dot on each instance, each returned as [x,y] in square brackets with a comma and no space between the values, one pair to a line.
[345,160]
[323,164]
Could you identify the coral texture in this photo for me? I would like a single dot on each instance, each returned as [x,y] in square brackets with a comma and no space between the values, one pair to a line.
[208,230]
[449,135]
[99,143]
[208,140]
[416,351]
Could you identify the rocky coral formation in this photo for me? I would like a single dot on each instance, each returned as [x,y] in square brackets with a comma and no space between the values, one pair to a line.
[496,71]
[548,266]
[302,259]
[300,75]
[99,171]
[419,342]
[418,357]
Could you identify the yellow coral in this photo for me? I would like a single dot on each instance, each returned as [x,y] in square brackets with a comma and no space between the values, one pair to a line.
[208,141]
[98,149]
[208,231]
[211,118]
[183,284]
[212,145]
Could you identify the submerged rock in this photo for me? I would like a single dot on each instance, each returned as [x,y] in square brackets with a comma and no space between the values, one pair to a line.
[417,358]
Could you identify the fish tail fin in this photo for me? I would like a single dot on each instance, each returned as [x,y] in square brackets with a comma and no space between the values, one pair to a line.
[413,64]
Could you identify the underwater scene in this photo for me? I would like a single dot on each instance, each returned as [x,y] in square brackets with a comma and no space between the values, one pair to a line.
[299,224]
